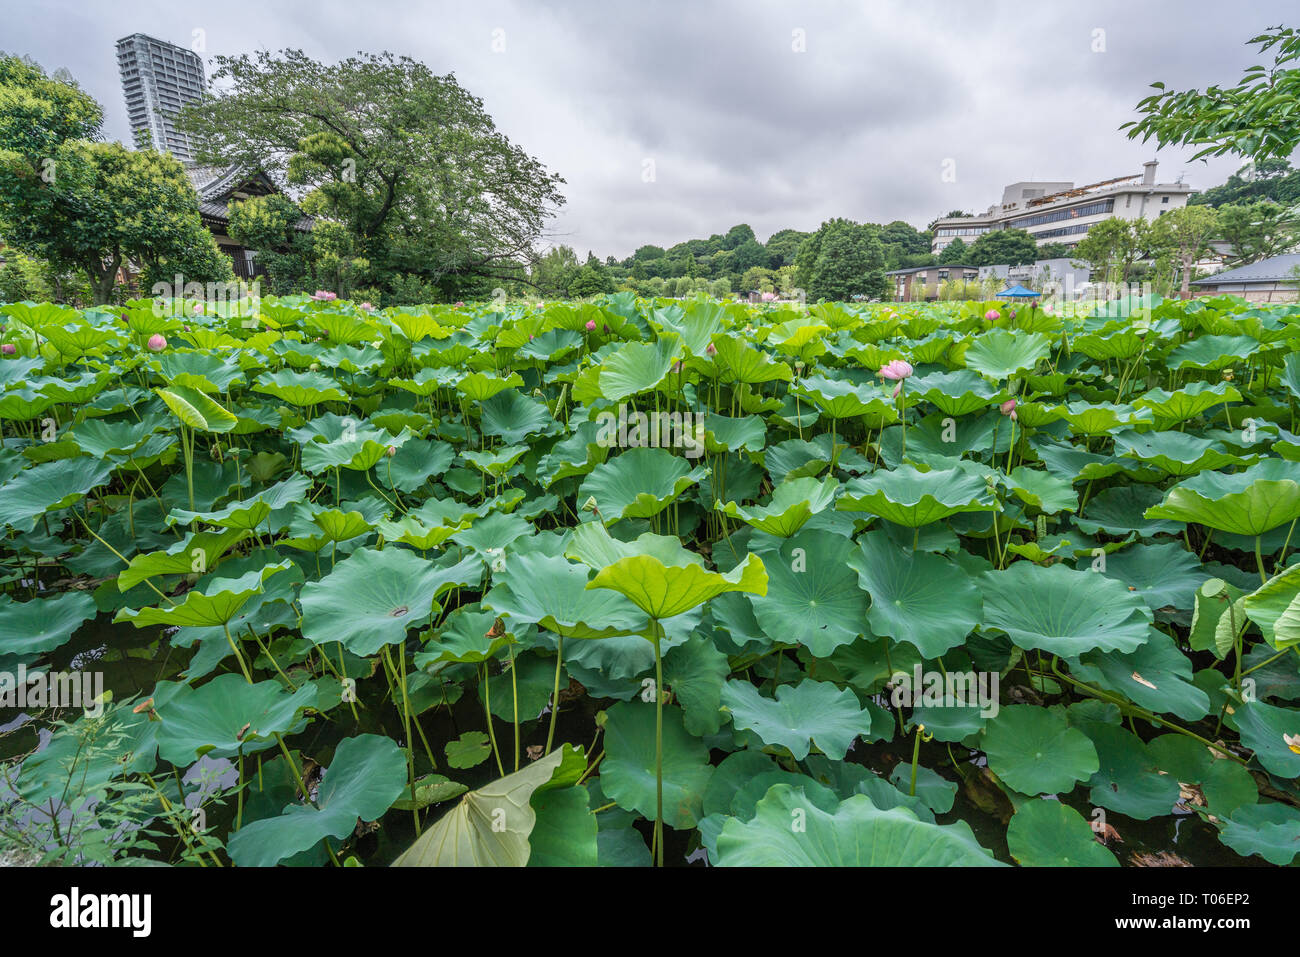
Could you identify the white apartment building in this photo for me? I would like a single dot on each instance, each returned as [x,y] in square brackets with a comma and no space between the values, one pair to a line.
[1062,212]
[158,79]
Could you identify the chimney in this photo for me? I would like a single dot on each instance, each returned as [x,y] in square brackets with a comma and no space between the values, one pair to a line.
[1149,173]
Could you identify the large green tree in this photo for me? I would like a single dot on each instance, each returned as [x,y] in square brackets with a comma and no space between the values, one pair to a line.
[1183,235]
[1256,231]
[1002,247]
[95,207]
[408,161]
[843,259]
[1113,247]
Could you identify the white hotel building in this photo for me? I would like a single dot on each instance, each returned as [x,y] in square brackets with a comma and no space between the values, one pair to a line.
[1062,212]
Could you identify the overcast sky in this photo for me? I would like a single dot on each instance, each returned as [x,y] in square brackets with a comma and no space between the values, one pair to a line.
[776,114]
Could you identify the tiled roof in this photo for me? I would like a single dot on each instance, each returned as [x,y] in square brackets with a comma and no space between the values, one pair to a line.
[1273,269]
[214,184]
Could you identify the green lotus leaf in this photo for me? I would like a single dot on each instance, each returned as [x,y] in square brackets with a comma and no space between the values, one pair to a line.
[666,590]
[414,463]
[841,399]
[812,595]
[1225,784]
[727,434]
[916,596]
[1187,402]
[367,774]
[1156,676]
[1122,509]
[101,439]
[1045,492]
[48,487]
[492,826]
[42,624]
[372,597]
[198,370]
[300,388]
[1075,464]
[627,774]
[552,593]
[1001,353]
[638,366]
[512,417]
[744,363]
[695,672]
[194,554]
[1249,502]
[1166,576]
[197,410]
[1177,453]
[565,833]
[1062,611]
[23,404]
[1129,780]
[857,834]
[463,637]
[225,716]
[1101,419]
[469,750]
[1275,607]
[1271,732]
[957,392]
[793,502]
[639,483]
[1212,352]
[219,601]
[1120,344]
[1034,751]
[912,498]
[1048,833]
[1270,830]
[409,530]
[800,716]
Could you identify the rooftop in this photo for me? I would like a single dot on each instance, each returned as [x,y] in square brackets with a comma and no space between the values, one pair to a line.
[1273,269]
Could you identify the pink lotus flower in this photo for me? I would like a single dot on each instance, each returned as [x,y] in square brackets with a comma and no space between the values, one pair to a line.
[157,343]
[769,297]
[366,306]
[710,350]
[1011,314]
[896,369]
[1048,309]
[591,325]
[324,295]
[992,315]
[8,349]
[390,451]
[677,366]
[530,337]
[1009,408]
[460,305]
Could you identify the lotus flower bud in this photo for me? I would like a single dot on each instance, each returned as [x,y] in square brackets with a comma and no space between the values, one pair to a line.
[711,349]
[1009,408]
[314,367]
[896,370]
[591,325]
[390,451]
[366,306]
[460,305]
[157,343]
[8,349]
[992,315]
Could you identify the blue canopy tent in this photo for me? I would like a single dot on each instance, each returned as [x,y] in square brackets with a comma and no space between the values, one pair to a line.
[1018,292]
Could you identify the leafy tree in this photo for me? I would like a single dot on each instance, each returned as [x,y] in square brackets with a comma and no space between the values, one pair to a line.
[1112,248]
[1259,117]
[1002,247]
[91,206]
[1267,179]
[1184,234]
[954,253]
[1257,230]
[409,162]
[555,271]
[841,260]
[1053,251]
[737,236]
[783,246]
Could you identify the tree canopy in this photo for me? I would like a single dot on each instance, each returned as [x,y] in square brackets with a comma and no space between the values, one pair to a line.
[407,161]
[90,206]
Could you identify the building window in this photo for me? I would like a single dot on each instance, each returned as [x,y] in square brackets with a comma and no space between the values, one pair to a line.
[1164,200]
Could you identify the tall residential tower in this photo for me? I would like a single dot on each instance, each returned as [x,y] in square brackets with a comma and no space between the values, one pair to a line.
[158,79]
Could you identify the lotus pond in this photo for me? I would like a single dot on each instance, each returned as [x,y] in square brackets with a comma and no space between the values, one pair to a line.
[640,582]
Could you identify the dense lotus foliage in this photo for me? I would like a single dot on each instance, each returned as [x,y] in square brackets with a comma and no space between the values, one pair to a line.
[634,582]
